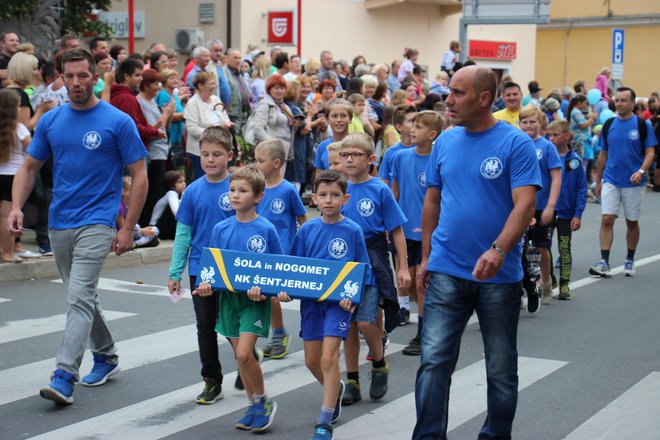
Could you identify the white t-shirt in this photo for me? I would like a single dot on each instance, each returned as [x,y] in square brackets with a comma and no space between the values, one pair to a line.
[17,155]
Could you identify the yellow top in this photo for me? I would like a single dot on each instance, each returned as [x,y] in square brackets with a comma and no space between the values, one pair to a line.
[508,117]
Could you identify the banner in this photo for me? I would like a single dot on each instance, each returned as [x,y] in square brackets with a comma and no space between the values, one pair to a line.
[308,278]
[282,27]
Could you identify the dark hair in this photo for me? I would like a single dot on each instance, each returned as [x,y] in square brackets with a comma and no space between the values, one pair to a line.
[127,67]
[201,78]
[95,41]
[510,85]
[329,177]
[47,70]
[400,113]
[417,69]
[572,103]
[100,57]
[388,116]
[578,86]
[354,86]
[75,55]
[153,59]
[628,89]
[115,49]
[281,59]
[149,76]
[9,101]
[409,51]
[381,90]
[171,178]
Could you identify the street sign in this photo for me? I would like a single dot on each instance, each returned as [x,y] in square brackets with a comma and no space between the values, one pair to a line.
[617,53]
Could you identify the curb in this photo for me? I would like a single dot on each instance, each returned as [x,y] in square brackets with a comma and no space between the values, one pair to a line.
[45,267]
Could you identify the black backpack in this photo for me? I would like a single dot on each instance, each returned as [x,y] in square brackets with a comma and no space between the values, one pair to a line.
[641,127]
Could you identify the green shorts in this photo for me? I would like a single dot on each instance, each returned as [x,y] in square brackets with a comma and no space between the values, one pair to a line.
[239,314]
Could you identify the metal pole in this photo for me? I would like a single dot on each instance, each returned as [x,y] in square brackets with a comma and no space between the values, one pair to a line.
[131,27]
[299,13]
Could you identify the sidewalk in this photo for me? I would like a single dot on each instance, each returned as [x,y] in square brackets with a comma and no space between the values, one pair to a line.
[44,267]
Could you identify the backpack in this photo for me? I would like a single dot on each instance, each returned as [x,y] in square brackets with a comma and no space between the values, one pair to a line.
[641,127]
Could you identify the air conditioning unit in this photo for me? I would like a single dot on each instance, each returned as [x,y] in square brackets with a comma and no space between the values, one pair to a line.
[187,38]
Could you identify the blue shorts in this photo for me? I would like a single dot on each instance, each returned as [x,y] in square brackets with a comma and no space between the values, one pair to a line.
[321,319]
[368,308]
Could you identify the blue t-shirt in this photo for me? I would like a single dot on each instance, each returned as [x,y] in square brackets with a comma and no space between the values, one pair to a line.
[385,168]
[321,158]
[90,150]
[475,173]
[624,151]
[281,205]
[373,208]
[175,132]
[202,206]
[409,170]
[257,236]
[548,159]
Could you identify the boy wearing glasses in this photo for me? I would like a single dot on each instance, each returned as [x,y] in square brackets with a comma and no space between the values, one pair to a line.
[373,208]
[409,178]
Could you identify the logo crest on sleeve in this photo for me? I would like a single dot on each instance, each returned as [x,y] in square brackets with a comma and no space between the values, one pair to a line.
[277,206]
[539,154]
[337,248]
[256,244]
[91,140]
[491,168]
[633,134]
[365,207]
[223,202]
[421,179]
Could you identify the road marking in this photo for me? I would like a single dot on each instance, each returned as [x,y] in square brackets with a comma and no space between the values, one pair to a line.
[633,415]
[175,411]
[4,300]
[467,400]
[25,380]
[28,328]
[130,287]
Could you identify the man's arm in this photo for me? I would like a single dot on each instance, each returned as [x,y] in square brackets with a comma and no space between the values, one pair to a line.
[524,203]
[430,218]
[123,241]
[21,189]
[637,177]
[600,167]
[555,188]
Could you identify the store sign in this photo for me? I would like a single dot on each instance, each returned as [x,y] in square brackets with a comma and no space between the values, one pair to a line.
[494,50]
[118,22]
[282,27]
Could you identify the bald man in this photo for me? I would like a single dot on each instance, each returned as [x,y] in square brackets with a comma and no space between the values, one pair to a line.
[471,261]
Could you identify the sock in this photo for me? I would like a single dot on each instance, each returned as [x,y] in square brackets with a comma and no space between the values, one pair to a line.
[420,320]
[631,255]
[355,375]
[325,418]
[605,255]
[279,331]
[378,364]
[404,302]
[257,398]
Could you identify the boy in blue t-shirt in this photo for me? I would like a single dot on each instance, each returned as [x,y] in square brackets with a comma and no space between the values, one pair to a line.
[409,188]
[403,122]
[243,318]
[281,206]
[546,198]
[204,203]
[324,324]
[373,208]
[340,113]
[571,202]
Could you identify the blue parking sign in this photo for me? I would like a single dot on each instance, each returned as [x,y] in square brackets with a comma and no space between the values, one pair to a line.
[617,46]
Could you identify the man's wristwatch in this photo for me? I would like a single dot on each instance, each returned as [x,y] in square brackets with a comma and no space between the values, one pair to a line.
[498,249]
[641,171]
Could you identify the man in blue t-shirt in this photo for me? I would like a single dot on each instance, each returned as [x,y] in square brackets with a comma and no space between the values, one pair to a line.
[91,143]
[623,162]
[482,179]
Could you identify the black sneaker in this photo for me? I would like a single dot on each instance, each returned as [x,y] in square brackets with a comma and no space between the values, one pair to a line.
[378,387]
[212,391]
[414,347]
[351,393]
[533,303]
[340,397]
[404,316]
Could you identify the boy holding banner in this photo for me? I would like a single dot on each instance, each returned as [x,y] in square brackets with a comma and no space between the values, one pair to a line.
[281,206]
[243,318]
[373,207]
[324,324]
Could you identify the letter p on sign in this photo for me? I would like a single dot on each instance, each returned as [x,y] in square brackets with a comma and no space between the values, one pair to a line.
[617,46]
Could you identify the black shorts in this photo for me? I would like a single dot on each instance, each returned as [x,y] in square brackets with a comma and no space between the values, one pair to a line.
[6,181]
[414,249]
[541,236]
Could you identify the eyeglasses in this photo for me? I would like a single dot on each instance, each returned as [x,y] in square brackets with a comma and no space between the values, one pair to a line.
[351,155]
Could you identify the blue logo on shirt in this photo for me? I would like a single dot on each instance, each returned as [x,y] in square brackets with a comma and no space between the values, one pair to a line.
[277,206]
[633,134]
[256,244]
[491,168]
[365,207]
[421,179]
[539,154]
[337,248]
[223,202]
[91,140]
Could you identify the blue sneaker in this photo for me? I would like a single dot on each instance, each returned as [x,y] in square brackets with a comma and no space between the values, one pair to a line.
[60,388]
[322,432]
[601,269]
[340,397]
[245,422]
[46,251]
[100,373]
[264,416]
[629,268]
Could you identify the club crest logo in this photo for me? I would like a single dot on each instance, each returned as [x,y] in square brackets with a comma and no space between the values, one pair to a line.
[350,290]
[343,326]
[365,207]
[277,206]
[91,140]
[421,179]
[280,26]
[256,244]
[337,248]
[223,202]
[573,164]
[633,134]
[207,275]
[539,154]
[491,168]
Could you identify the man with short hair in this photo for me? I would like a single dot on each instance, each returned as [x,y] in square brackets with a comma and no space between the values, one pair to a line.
[274,52]
[281,63]
[10,43]
[295,68]
[99,45]
[202,57]
[512,96]
[623,169]
[393,80]
[482,165]
[215,68]
[238,108]
[69,42]
[91,144]
[327,70]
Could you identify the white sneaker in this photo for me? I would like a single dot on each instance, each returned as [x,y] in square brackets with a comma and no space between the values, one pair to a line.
[629,268]
[27,254]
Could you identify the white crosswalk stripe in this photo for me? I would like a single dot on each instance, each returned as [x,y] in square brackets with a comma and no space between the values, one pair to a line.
[4,300]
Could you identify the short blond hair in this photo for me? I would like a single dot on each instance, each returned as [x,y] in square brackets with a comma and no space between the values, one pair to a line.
[334,147]
[252,176]
[529,111]
[313,66]
[274,148]
[359,140]
[219,136]
[543,120]
[560,124]
[432,120]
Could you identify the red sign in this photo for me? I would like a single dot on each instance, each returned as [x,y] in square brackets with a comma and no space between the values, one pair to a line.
[495,50]
[282,27]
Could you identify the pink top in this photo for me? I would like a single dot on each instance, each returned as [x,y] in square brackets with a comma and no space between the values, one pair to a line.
[601,84]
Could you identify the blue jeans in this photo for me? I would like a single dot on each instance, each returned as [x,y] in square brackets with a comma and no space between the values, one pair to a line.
[448,305]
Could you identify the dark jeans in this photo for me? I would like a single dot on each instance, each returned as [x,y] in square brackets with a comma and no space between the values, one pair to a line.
[564,235]
[41,197]
[206,314]
[448,305]
[155,174]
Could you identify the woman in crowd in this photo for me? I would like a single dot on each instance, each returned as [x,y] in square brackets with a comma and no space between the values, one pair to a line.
[21,73]
[258,81]
[580,125]
[158,61]
[170,81]
[118,53]
[303,141]
[106,76]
